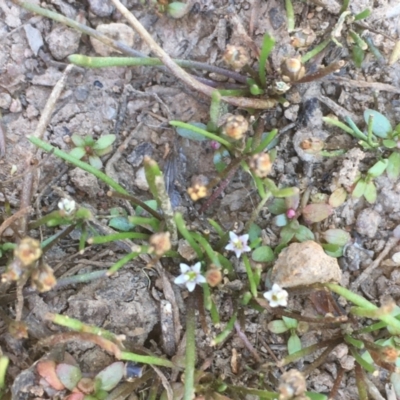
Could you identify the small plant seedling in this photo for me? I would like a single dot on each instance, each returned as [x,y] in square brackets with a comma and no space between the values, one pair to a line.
[90,149]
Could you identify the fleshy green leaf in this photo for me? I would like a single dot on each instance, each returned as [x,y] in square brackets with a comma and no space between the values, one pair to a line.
[303,234]
[359,189]
[77,152]
[333,250]
[293,201]
[189,134]
[69,375]
[105,151]
[389,143]
[121,224]
[316,212]
[95,162]
[278,326]
[370,192]
[393,168]
[337,236]
[294,344]
[381,126]
[151,203]
[110,376]
[287,234]
[254,232]
[378,168]
[316,396]
[78,140]
[357,55]
[263,254]
[277,206]
[104,141]
[291,323]
[287,192]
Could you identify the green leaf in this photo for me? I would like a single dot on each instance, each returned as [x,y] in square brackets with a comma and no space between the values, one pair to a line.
[110,376]
[333,250]
[266,48]
[254,232]
[263,254]
[287,234]
[381,126]
[378,168]
[189,134]
[294,344]
[337,236]
[287,192]
[104,141]
[316,212]
[278,326]
[316,396]
[303,234]
[393,168]
[359,189]
[357,55]
[281,220]
[77,152]
[370,192]
[389,143]
[151,203]
[363,14]
[277,206]
[103,152]
[293,201]
[152,170]
[78,140]
[121,224]
[291,323]
[95,162]
[69,375]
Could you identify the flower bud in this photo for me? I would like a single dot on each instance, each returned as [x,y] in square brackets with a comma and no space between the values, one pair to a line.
[292,70]
[43,278]
[28,251]
[199,189]
[261,164]
[235,126]
[160,242]
[213,276]
[236,56]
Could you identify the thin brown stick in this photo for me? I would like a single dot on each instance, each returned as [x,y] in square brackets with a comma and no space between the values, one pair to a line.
[336,384]
[246,342]
[368,271]
[10,220]
[182,74]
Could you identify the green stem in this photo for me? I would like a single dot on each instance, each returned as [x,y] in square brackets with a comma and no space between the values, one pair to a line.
[203,132]
[317,49]
[266,48]
[366,365]
[362,302]
[152,360]
[225,333]
[180,223]
[208,249]
[289,15]
[117,236]
[78,163]
[106,62]
[120,263]
[250,276]
[4,361]
[190,358]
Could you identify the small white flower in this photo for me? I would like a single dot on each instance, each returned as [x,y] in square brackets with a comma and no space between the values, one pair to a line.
[238,244]
[190,276]
[277,296]
[66,205]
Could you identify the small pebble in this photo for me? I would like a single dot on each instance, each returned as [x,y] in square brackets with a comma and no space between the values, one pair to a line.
[305,264]
[63,41]
[140,179]
[5,100]
[367,222]
[101,8]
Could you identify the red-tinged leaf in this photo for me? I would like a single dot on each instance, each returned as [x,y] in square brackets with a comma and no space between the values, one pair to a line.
[338,197]
[316,212]
[47,370]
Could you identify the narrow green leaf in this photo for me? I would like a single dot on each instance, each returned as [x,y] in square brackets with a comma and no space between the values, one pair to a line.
[357,55]
[359,189]
[266,48]
[363,14]
[189,134]
[378,168]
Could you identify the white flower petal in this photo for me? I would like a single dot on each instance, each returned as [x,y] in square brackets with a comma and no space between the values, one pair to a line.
[268,295]
[233,236]
[238,252]
[197,268]
[181,279]
[276,288]
[190,286]
[244,238]
[184,268]
[201,279]
[230,247]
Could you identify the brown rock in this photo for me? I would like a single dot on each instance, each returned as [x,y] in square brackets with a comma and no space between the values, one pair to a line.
[305,264]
